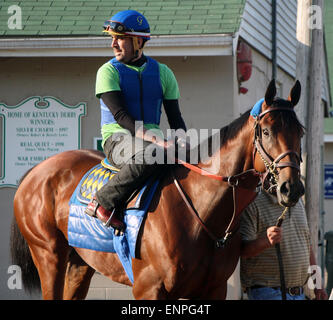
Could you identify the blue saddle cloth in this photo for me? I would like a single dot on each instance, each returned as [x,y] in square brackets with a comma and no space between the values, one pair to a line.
[87,232]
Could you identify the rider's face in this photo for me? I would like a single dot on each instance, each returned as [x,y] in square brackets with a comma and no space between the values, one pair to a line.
[122,48]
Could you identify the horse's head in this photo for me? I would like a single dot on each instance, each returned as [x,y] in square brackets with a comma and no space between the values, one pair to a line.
[277,154]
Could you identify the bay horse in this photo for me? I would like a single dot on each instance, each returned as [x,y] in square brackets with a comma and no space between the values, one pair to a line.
[177,257]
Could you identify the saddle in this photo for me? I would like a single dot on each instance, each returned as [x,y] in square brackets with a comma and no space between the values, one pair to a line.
[98,176]
[94,180]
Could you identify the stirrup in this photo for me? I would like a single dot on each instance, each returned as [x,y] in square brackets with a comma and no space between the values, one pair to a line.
[91,208]
[115,223]
[107,217]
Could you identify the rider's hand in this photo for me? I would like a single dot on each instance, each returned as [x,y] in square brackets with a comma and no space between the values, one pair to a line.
[182,143]
[151,136]
[166,144]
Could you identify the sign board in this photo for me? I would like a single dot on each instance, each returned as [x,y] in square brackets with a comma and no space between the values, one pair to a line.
[328,181]
[34,130]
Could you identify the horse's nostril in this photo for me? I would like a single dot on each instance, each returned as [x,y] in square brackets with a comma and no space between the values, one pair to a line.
[285,188]
[302,189]
[292,191]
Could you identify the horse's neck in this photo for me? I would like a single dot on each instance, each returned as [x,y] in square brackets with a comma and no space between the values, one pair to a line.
[209,195]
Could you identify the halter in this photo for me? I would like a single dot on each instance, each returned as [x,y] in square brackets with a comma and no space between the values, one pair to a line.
[239,180]
[271,164]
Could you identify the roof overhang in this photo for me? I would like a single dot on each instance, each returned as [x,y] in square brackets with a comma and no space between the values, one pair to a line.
[180,45]
[328,137]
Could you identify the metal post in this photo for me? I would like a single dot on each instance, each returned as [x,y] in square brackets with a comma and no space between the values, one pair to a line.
[274,39]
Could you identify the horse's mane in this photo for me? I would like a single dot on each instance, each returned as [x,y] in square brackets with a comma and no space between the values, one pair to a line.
[231,130]
[281,119]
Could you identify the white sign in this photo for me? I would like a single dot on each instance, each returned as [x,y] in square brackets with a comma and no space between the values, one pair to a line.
[34,130]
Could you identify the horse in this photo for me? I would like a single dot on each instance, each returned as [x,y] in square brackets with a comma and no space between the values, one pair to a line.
[189,244]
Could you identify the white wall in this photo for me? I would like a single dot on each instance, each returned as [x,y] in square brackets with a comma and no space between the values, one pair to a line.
[260,78]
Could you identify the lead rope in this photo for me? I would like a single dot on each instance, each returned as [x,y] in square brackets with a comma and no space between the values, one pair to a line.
[272,170]
[279,256]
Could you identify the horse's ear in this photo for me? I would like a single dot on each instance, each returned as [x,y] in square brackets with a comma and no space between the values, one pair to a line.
[295,93]
[270,93]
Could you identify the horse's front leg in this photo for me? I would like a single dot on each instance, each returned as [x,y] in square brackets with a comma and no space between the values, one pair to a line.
[147,283]
[77,278]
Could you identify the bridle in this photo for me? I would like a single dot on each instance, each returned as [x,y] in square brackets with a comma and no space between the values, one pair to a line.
[269,178]
[239,180]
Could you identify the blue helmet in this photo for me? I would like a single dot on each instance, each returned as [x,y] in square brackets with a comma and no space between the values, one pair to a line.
[128,22]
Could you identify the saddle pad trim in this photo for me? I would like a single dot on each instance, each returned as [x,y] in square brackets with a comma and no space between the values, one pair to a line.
[92,181]
[106,164]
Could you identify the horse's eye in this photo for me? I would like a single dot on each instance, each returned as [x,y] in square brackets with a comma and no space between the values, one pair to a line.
[265,132]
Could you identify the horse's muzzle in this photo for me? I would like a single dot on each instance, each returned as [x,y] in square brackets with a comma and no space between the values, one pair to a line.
[289,193]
